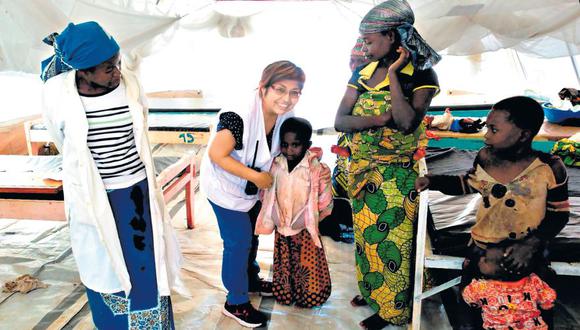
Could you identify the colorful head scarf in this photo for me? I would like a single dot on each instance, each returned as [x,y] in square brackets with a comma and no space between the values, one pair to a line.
[398,15]
[78,47]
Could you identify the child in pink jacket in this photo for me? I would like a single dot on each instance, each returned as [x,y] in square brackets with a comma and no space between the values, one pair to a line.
[294,205]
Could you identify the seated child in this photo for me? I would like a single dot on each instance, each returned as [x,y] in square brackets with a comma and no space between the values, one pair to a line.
[296,202]
[525,192]
[507,301]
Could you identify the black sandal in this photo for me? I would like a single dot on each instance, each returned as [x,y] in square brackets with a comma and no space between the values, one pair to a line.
[358,301]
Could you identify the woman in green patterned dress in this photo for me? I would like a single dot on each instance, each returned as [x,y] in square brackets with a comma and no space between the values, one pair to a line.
[382,112]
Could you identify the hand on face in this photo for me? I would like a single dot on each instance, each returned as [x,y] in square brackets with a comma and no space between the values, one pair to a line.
[401,60]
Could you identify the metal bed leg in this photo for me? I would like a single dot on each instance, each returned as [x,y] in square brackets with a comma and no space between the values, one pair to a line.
[420,252]
[442,287]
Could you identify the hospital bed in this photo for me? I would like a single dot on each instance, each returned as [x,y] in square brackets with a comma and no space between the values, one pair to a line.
[544,140]
[31,186]
[166,125]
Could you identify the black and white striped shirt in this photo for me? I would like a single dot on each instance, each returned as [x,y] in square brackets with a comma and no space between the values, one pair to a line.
[110,139]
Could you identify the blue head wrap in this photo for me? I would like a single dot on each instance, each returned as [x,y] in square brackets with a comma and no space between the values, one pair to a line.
[78,47]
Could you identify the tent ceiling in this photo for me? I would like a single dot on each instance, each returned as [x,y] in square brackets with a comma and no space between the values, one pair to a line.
[545,28]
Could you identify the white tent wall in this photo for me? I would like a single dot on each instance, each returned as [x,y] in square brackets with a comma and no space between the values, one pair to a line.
[228,69]
[465,27]
[221,47]
[547,28]
[24,24]
[486,78]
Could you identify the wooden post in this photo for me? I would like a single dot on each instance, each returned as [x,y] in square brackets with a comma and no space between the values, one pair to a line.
[190,194]
[177,181]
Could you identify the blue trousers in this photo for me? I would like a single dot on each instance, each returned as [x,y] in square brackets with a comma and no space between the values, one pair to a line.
[143,308]
[239,267]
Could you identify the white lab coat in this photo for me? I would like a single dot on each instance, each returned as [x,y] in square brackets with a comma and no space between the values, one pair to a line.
[94,239]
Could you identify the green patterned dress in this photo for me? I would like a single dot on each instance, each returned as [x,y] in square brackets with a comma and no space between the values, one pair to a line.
[340,172]
[382,175]
[381,178]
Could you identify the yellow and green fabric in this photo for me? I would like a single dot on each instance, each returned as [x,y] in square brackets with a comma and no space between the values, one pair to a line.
[569,151]
[339,174]
[381,177]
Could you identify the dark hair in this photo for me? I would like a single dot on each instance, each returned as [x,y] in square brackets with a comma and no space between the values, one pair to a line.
[282,70]
[297,125]
[523,111]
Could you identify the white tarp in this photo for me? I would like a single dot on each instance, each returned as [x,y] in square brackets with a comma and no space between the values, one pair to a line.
[221,47]
[23,25]
[547,28]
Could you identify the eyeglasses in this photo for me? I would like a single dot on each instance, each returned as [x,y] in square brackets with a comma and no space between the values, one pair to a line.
[281,91]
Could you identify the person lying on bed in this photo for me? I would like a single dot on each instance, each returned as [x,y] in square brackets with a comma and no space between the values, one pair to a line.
[525,191]
[507,301]
[446,122]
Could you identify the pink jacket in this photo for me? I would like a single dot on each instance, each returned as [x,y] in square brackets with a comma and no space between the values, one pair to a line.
[302,183]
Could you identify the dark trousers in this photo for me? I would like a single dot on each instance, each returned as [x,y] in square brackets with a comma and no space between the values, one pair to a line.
[132,214]
[239,267]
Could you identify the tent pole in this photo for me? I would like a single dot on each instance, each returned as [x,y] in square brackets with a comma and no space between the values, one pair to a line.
[574,64]
[521,65]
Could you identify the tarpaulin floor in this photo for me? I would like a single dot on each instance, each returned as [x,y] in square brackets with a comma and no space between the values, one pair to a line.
[42,249]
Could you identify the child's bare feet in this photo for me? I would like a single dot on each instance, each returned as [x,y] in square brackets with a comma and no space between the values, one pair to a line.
[358,301]
[374,322]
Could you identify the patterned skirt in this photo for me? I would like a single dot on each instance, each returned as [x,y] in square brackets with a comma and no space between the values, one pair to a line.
[143,308]
[383,214]
[301,274]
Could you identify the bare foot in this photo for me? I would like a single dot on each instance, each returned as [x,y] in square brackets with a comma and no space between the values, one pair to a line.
[358,300]
[374,322]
